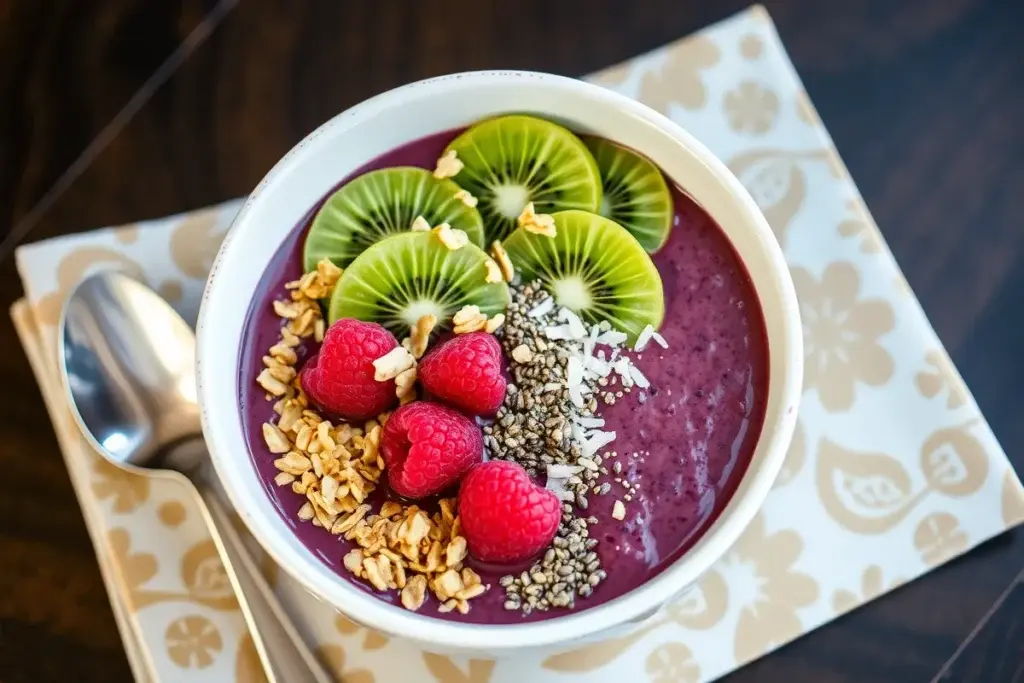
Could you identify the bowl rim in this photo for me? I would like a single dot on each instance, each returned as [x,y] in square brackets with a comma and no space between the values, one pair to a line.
[256,510]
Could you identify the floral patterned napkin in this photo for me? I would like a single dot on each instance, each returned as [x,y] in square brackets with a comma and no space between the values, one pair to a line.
[892,472]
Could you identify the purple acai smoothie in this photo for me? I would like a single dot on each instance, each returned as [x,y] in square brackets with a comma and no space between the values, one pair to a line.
[684,443]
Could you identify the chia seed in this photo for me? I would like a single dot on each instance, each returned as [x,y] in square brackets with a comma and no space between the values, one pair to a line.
[537,426]
[569,570]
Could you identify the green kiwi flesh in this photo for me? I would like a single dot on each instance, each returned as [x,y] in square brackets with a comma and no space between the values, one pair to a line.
[381,203]
[512,160]
[411,274]
[595,267]
[634,193]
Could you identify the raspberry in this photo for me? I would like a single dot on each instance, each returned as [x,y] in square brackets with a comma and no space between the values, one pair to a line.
[339,378]
[466,372]
[427,447]
[506,517]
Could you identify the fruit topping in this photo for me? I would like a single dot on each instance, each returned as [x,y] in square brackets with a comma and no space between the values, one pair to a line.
[510,161]
[406,276]
[592,266]
[380,203]
[635,194]
[505,516]
[542,325]
[340,378]
[466,372]
[427,447]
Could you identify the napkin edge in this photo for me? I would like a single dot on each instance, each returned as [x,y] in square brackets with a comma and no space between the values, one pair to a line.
[28,334]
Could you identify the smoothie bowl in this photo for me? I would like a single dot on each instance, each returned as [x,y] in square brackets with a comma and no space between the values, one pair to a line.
[498,361]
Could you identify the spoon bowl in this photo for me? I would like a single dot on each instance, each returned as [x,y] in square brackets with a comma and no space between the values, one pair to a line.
[128,362]
[128,366]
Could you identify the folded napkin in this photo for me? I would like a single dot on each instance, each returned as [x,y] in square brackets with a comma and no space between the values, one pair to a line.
[892,472]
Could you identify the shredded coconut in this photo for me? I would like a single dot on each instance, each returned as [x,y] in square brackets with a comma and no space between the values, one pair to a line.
[558,332]
[543,308]
[574,372]
[612,338]
[575,324]
[638,377]
[561,471]
[643,338]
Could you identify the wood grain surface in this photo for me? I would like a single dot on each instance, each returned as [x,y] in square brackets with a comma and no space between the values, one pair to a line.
[924,99]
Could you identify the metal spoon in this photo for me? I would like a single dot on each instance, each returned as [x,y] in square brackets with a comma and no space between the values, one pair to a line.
[128,367]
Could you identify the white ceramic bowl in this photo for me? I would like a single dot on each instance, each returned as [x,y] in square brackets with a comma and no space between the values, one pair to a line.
[382,123]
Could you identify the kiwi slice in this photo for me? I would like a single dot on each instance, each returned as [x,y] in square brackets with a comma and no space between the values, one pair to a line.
[595,267]
[411,274]
[510,161]
[635,194]
[381,203]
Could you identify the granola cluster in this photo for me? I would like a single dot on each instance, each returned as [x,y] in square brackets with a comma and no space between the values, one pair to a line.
[336,467]
[449,165]
[538,223]
[504,263]
[404,548]
[304,318]
[470,318]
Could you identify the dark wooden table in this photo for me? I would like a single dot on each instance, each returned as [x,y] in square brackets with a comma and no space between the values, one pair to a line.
[116,110]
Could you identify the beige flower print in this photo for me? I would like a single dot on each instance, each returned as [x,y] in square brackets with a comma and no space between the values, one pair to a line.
[333,657]
[751,108]
[193,642]
[196,240]
[795,457]
[939,538]
[859,226]
[1012,499]
[939,378]
[203,574]
[953,461]
[127,490]
[127,234]
[135,569]
[248,667]
[871,586]
[444,670]
[613,75]
[699,607]
[751,47]
[759,571]
[372,640]
[171,514]
[679,79]
[805,111]
[864,492]
[72,267]
[672,663]
[841,335]
[777,182]
[171,291]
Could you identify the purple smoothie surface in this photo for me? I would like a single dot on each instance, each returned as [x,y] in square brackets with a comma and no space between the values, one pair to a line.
[684,443]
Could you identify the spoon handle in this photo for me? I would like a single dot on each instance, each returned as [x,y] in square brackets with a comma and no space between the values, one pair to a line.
[283,653]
